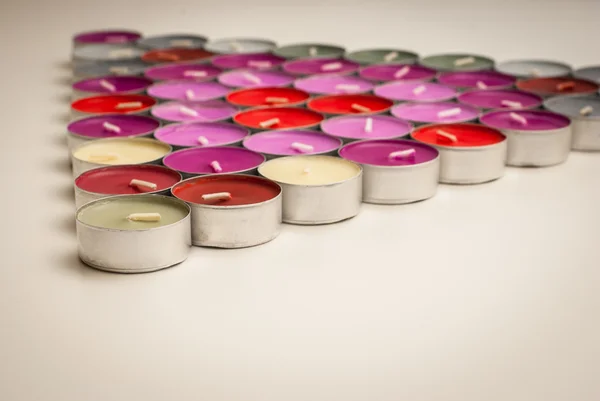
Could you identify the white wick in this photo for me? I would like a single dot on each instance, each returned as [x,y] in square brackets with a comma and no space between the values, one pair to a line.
[347,87]
[464,61]
[128,105]
[194,73]
[116,39]
[534,72]
[269,123]
[331,66]
[360,107]
[312,51]
[369,125]
[446,135]
[219,196]
[402,153]
[235,46]
[511,104]
[301,147]
[275,99]
[107,85]
[449,112]
[202,140]
[120,53]
[111,127]
[259,64]
[565,85]
[306,170]
[216,166]
[144,217]
[251,77]
[187,111]
[141,183]
[390,56]
[481,85]
[518,118]
[587,110]
[419,89]
[402,72]
[181,43]
[119,70]
[103,157]
[189,94]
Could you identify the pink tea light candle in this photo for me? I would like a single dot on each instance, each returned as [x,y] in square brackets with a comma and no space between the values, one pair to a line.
[352,128]
[109,85]
[182,71]
[441,112]
[254,61]
[333,84]
[188,90]
[187,135]
[320,65]
[477,80]
[182,111]
[418,92]
[397,72]
[255,78]
[495,99]
[217,160]
[292,142]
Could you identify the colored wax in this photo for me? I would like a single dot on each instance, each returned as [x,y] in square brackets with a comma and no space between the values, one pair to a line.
[288,117]
[467,135]
[309,170]
[198,160]
[281,143]
[377,152]
[343,104]
[115,180]
[254,97]
[113,151]
[213,134]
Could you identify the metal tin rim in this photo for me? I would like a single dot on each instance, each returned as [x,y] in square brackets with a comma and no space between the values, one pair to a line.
[87,143]
[202,122]
[575,117]
[535,106]
[274,155]
[462,148]
[400,167]
[221,147]
[387,109]
[338,117]
[234,117]
[115,115]
[235,91]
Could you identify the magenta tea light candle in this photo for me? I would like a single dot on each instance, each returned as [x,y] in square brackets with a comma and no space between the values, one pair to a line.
[109,85]
[493,99]
[201,134]
[351,128]
[179,71]
[320,65]
[333,84]
[292,142]
[255,61]
[477,80]
[397,72]
[255,78]
[441,112]
[418,92]
[105,36]
[181,111]
[218,160]
[185,90]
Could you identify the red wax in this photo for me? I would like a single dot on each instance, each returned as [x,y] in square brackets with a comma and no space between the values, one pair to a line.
[289,117]
[108,104]
[114,180]
[175,55]
[557,86]
[244,189]
[342,104]
[258,96]
[467,135]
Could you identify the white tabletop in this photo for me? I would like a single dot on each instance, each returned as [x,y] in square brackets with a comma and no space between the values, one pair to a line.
[487,292]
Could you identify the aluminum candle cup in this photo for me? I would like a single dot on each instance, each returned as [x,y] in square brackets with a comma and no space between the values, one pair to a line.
[182,71]
[316,189]
[320,65]
[458,62]
[397,72]
[495,99]
[123,180]
[117,36]
[111,104]
[534,68]
[172,41]
[171,55]
[240,45]
[302,50]
[255,61]
[255,78]
[106,52]
[350,104]
[217,160]
[232,211]
[268,118]
[113,236]
[564,86]
[477,80]
[292,143]
[469,153]
[188,111]
[108,85]
[117,151]
[352,128]
[536,138]
[199,134]
[381,56]
[589,73]
[267,97]
[418,92]
[584,112]
[187,90]
[395,171]
[333,84]
[435,113]
[109,126]
[116,68]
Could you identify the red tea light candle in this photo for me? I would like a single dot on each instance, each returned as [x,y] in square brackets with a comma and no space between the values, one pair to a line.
[495,99]
[111,104]
[268,118]
[418,92]
[350,104]
[116,36]
[232,211]
[188,90]
[254,61]
[439,112]
[320,65]
[333,84]
[175,55]
[397,72]
[188,135]
[477,80]
[292,143]
[107,85]
[267,97]
[188,111]
[182,71]
[217,160]
[124,180]
[558,86]
[255,78]
[469,153]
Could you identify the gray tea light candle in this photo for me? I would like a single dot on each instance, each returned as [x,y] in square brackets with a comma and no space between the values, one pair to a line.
[240,45]
[381,56]
[134,233]
[106,52]
[108,68]
[534,68]
[590,73]
[302,50]
[105,85]
[457,62]
[172,41]
[584,112]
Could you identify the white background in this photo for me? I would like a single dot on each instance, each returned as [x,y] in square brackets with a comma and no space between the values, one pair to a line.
[483,293]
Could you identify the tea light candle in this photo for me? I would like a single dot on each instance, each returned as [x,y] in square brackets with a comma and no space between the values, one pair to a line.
[117,151]
[458,62]
[380,56]
[395,171]
[217,160]
[255,78]
[106,52]
[350,104]
[123,180]
[172,41]
[477,80]
[201,134]
[469,153]
[268,97]
[584,112]
[333,84]
[320,65]
[182,71]
[316,189]
[419,92]
[109,126]
[278,118]
[232,211]
[110,231]
[493,99]
[303,50]
[116,68]
[173,55]
[109,85]
[240,45]
[111,104]
[397,72]
[536,138]
[188,90]
[181,111]
[534,68]
[292,143]
[352,128]
[116,36]
[589,73]
[558,86]
[256,61]
[440,112]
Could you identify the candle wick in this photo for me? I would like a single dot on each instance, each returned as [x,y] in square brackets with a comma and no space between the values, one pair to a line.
[188,111]
[587,110]
[146,217]
[449,112]
[565,86]
[301,147]
[127,52]
[331,66]
[464,61]
[402,153]
[269,123]
[235,46]
[217,196]
[202,140]
[128,105]
[119,70]
[115,39]
[107,85]
[312,51]
[447,135]
[481,85]
[419,89]
[251,77]
[347,87]
[369,125]
[274,99]
[390,56]
[306,170]
[181,43]
[534,72]
[511,104]
[259,64]
[216,166]
[195,73]
[141,183]
[402,72]
[189,94]
[518,118]
[111,127]
[360,108]
[103,157]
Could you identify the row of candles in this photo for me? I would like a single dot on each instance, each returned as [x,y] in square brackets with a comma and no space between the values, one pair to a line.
[176,140]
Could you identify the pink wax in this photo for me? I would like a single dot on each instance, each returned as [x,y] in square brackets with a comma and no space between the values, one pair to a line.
[501,99]
[207,111]
[333,84]
[415,92]
[353,127]
[281,143]
[477,80]
[537,120]
[189,71]
[186,90]
[188,134]
[255,61]
[198,161]
[397,72]
[377,152]
[320,65]
[440,112]
[255,78]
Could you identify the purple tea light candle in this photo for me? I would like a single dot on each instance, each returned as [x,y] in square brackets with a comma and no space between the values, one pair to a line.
[418,92]
[182,111]
[292,142]
[494,99]
[439,112]
[255,61]
[182,71]
[117,85]
[191,162]
[320,65]
[121,36]
[477,80]
[188,90]
[351,128]
[397,72]
[255,78]
[187,135]
[333,84]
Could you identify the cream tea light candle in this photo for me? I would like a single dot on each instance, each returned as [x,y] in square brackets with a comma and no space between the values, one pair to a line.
[240,45]
[106,52]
